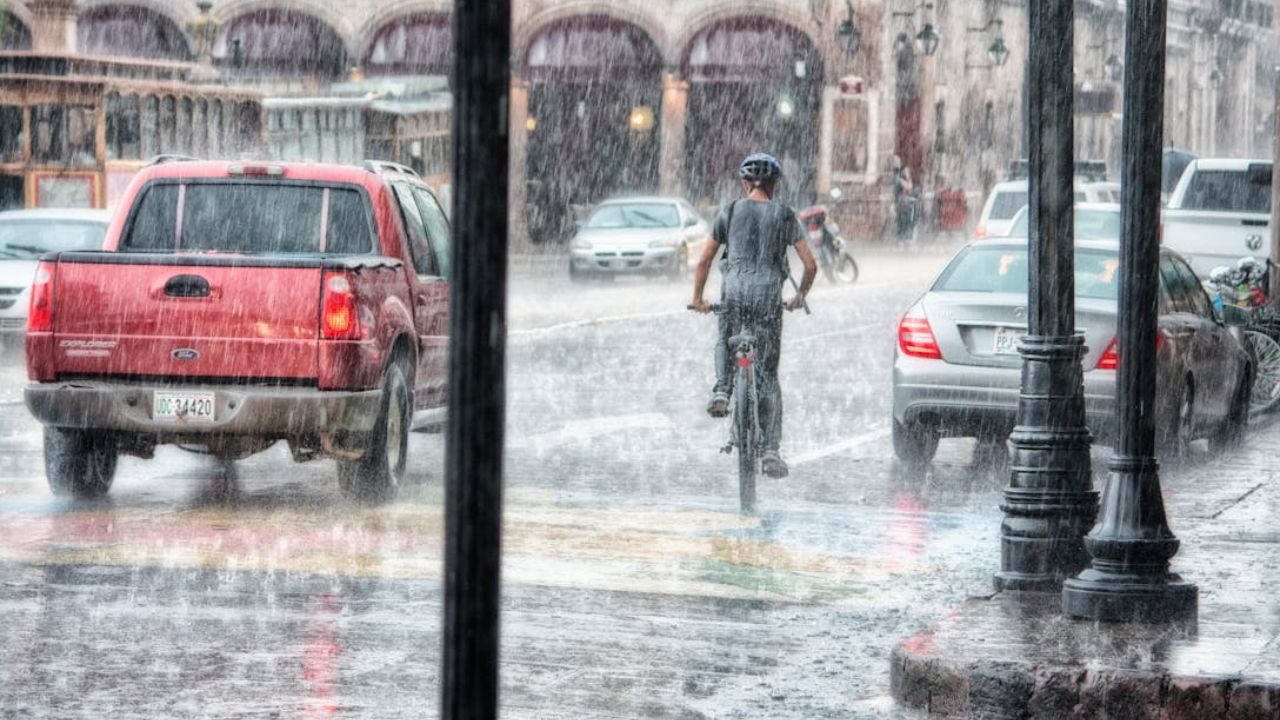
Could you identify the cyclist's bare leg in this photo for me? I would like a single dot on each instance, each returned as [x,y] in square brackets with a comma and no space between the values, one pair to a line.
[719,405]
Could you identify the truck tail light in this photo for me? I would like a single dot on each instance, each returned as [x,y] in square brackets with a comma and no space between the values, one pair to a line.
[40,312]
[915,336]
[338,319]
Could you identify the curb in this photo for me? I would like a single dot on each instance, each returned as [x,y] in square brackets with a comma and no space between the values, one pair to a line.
[1064,670]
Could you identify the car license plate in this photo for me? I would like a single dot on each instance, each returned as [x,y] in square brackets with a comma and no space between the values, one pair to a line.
[183,406]
[1006,342]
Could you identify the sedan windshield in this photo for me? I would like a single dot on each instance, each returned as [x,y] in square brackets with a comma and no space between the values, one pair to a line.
[29,239]
[1004,270]
[639,215]
[1090,225]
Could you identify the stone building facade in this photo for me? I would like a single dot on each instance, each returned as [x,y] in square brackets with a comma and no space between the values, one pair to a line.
[662,95]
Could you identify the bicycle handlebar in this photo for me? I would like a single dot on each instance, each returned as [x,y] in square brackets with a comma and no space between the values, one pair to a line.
[718,308]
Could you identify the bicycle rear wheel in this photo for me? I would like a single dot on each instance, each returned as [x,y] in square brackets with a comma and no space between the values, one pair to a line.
[744,421]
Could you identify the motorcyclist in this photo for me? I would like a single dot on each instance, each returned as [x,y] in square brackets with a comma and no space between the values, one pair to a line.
[756,230]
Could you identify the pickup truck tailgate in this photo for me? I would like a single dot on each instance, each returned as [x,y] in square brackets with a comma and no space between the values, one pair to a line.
[162,317]
[1209,239]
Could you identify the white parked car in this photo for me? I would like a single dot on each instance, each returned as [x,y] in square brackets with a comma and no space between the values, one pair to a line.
[25,235]
[639,235]
[1008,197]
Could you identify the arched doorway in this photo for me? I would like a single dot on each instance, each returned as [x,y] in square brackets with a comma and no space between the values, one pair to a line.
[131,31]
[280,42]
[14,34]
[755,85]
[416,44]
[594,103]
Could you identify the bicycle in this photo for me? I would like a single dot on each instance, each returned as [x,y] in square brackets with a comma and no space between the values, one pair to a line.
[744,409]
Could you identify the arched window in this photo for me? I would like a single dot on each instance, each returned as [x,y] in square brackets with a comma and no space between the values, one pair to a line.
[215,129]
[418,44]
[168,124]
[280,42]
[131,31]
[14,34]
[124,127]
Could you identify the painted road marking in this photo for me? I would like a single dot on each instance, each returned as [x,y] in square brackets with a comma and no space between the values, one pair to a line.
[867,438]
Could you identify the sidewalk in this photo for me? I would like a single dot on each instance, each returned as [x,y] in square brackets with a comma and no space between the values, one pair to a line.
[1010,656]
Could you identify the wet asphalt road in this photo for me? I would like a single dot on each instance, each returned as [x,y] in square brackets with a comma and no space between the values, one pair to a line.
[632,586]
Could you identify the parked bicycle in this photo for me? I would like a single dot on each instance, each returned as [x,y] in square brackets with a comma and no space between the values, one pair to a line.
[1244,286]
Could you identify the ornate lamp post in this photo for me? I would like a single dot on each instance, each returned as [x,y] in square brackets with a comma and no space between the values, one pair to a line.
[1129,578]
[997,51]
[1049,503]
[927,40]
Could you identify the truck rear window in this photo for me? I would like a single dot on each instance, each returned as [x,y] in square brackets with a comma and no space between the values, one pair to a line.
[1227,191]
[250,218]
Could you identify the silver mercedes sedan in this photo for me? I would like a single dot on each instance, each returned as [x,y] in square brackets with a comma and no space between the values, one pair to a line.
[957,371]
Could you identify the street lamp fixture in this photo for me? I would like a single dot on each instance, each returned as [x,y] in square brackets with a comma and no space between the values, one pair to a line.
[1114,68]
[847,33]
[926,41]
[786,108]
[998,52]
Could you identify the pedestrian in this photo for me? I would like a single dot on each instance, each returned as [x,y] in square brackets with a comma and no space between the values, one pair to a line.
[906,204]
[756,231]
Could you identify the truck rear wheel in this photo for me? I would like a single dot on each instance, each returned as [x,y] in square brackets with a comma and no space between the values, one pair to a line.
[78,464]
[379,473]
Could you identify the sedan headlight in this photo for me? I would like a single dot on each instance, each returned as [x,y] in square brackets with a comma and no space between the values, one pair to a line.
[665,243]
[580,244]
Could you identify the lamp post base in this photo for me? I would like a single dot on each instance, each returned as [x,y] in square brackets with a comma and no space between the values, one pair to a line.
[1108,598]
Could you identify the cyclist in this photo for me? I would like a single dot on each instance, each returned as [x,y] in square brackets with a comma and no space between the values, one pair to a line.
[757,231]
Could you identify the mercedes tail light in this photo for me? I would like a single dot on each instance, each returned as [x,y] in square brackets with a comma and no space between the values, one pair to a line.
[915,337]
[1110,359]
[980,232]
[40,312]
[338,318]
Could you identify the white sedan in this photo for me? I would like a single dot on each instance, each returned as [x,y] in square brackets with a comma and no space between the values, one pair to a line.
[25,235]
[650,235]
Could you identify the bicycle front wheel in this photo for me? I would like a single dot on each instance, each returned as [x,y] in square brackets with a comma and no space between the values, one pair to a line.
[744,420]
[1266,377]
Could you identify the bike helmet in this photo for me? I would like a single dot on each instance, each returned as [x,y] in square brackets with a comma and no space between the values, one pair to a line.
[1221,275]
[1248,267]
[760,167]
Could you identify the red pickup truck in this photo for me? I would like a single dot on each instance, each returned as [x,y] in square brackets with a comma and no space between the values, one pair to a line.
[237,304]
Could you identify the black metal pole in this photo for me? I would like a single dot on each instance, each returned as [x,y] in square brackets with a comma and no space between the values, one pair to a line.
[1050,502]
[1128,578]
[477,360]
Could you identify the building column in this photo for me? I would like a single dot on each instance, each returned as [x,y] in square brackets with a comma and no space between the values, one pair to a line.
[826,139]
[675,114]
[518,232]
[53,25]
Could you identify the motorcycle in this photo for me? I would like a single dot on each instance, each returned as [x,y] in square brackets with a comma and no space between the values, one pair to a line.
[829,246]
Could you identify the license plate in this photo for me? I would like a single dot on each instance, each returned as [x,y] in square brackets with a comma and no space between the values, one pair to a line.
[1006,341]
[182,406]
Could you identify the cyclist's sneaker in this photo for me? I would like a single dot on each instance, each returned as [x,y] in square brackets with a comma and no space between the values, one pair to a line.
[719,405]
[773,466]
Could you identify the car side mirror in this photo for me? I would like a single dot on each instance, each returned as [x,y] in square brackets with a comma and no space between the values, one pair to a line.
[1233,316]
[690,221]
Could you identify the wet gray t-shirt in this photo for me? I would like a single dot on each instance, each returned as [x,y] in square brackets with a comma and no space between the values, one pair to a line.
[755,257]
